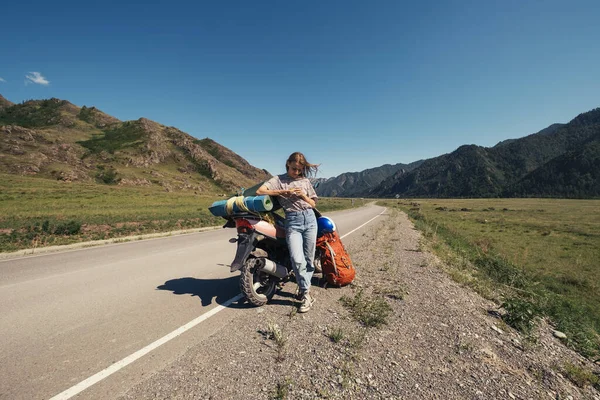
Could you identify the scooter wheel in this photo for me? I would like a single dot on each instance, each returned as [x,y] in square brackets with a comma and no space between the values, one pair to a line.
[258,286]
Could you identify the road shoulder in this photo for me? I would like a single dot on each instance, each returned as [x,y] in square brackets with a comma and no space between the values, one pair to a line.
[439,341]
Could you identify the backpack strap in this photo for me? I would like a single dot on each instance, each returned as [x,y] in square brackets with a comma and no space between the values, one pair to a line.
[332,257]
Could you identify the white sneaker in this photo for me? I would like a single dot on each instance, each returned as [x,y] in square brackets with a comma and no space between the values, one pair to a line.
[307,302]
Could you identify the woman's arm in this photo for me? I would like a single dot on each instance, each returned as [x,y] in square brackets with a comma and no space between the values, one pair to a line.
[264,191]
[294,191]
[307,199]
[300,193]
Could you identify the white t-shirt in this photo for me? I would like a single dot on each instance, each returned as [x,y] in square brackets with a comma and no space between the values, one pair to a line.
[292,202]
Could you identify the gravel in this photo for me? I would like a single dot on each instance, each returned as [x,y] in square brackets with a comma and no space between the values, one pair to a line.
[441,340]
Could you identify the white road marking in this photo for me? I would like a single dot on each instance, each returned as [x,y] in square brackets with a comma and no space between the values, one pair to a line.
[353,230]
[81,386]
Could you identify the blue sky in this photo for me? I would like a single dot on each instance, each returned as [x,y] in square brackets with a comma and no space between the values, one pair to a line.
[352,84]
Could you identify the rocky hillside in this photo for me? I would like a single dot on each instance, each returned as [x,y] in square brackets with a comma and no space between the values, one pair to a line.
[4,103]
[58,140]
[521,167]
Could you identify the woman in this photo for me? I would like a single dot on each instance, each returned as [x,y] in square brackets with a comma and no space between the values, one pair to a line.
[298,198]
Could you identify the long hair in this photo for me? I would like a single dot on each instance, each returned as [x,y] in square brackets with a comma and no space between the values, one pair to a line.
[308,169]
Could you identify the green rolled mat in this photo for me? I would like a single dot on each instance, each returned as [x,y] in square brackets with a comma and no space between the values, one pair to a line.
[252,203]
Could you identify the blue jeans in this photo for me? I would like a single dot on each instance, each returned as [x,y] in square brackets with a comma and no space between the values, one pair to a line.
[301,236]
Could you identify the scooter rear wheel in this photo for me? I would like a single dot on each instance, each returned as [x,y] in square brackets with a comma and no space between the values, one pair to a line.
[258,286]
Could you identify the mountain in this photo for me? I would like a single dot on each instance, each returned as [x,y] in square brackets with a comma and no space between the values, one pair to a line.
[451,175]
[507,168]
[356,184]
[56,139]
[4,103]
[59,140]
[547,131]
[575,174]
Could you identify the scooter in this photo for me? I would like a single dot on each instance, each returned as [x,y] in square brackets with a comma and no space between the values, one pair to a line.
[262,254]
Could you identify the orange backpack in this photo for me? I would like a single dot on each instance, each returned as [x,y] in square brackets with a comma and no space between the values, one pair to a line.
[335,261]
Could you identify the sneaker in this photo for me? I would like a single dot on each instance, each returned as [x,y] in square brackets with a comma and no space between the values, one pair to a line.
[307,302]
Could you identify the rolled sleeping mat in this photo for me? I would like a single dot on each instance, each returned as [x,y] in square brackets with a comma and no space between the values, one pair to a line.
[235,205]
[218,208]
[259,203]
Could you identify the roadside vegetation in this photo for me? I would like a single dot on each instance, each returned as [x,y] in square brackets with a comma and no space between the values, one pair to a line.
[537,258]
[371,312]
[38,212]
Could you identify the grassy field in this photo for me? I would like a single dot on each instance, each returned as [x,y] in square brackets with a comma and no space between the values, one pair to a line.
[537,257]
[41,212]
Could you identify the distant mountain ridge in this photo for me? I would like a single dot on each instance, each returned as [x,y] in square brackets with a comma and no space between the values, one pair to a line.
[507,169]
[573,174]
[558,161]
[355,184]
[546,131]
[56,139]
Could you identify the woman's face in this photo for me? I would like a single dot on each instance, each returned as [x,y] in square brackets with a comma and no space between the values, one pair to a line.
[294,169]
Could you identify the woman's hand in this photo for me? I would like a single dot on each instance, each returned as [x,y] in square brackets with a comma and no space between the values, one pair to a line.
[290,192]
[300,193]
[284,192]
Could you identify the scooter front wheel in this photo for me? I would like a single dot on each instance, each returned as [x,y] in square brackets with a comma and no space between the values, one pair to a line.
[258,286]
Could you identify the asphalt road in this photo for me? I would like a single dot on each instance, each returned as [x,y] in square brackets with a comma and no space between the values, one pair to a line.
[66,316]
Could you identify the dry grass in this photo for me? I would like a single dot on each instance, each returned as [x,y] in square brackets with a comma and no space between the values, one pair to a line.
[31,210]
[537,256]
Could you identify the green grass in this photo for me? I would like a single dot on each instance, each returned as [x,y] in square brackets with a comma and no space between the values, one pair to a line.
[581,376]
[538,257]
[127,135]
[37,212]
[282,389]
[275,333]
[336,334]
[370,311]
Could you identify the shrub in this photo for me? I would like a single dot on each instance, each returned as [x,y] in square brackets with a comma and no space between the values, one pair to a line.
[336,335]
[521,314]
[107,175]
[581,376]
[68,228]
[371,312]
